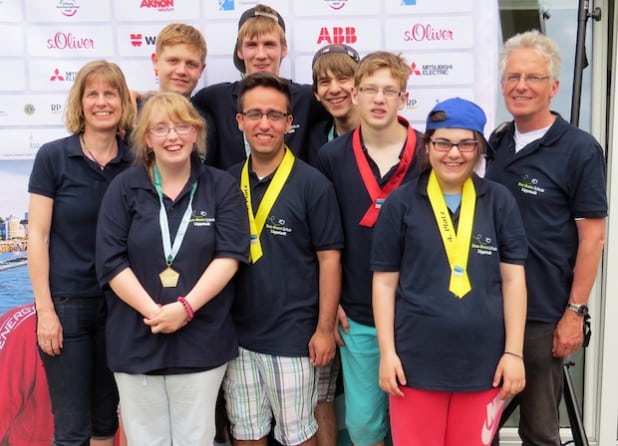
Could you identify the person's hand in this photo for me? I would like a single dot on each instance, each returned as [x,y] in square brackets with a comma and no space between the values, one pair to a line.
[391,374]
[169,319]
[49,332]
[568,335]
[342,321]
[510,371]
[322,347]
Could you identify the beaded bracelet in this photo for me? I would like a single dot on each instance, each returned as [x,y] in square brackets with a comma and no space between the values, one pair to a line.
[186,306]
[514,354]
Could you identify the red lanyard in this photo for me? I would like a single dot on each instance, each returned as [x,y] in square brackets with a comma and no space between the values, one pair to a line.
[377,194]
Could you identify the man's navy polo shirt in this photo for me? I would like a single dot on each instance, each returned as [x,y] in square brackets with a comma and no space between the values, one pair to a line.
[555,180]
[276,307]
[446,343]
[129,236]
[63,173]
[338,163]
[227,147]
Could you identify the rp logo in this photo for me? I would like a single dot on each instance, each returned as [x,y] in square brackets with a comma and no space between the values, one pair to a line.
[337,34]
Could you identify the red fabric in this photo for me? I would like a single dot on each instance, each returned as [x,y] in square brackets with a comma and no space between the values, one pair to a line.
[25,409]
[445,419]
[377,194]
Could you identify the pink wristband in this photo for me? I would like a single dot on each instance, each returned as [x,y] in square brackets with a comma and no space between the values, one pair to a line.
[187,307]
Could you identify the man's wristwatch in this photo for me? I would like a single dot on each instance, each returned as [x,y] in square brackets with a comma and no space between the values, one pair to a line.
[580,309]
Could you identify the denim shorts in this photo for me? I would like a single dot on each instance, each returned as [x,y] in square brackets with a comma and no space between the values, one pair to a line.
[82,388]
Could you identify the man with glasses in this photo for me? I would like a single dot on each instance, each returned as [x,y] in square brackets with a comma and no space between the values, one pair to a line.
[287,296]
[365,165]
[260,47]
[556,173]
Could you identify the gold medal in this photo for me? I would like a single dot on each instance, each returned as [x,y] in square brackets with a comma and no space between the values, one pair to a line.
[169,278]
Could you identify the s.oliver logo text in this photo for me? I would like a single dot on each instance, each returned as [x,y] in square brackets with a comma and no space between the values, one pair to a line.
[68,41]
[420,32]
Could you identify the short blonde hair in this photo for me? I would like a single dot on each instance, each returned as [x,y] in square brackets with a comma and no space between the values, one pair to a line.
[111,73]
[372,62]
[177,108]
[180,33]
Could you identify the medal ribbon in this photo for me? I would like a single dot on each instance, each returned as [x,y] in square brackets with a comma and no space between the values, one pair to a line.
[456,245]
[170,250]
[256,224]
[377,194]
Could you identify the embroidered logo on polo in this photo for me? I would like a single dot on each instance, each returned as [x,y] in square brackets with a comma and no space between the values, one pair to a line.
[483,245]
[530,185]
[201,218]
[277,226]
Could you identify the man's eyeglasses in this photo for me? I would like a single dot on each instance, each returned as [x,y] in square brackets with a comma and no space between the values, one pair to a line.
[163,130]
[389,93]
[464,146]
[530,79]
[272,115]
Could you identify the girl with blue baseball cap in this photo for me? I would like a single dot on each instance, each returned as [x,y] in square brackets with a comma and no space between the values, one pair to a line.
[449,291]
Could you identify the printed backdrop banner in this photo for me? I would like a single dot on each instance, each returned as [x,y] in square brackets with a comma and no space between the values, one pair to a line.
[451,46]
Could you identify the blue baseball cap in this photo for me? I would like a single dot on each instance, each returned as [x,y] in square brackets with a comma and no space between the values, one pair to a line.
[460,114]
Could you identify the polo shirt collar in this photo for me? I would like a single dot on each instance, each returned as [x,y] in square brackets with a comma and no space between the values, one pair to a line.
[142,180]
[480,186]
[74,149]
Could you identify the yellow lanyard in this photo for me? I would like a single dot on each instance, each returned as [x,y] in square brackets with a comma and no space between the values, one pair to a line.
[256,224]
[456,244]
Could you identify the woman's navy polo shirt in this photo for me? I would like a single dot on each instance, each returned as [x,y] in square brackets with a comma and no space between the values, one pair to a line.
[63,173]
[446,343]
[276,308]
[129,236]
[337,161]
[227,148]
[555,180]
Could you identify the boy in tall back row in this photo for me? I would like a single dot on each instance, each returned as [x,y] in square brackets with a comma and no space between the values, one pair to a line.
[260,47]
[364,166]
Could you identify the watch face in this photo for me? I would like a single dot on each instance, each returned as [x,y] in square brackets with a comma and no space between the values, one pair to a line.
[583,309]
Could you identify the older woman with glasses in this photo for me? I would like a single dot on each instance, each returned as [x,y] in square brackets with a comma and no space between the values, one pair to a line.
[449,292]
[171,234]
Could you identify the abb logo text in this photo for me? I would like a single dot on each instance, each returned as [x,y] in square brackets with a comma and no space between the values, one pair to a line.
[337,34]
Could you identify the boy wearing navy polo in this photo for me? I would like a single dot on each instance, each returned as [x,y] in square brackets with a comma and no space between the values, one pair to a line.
[365,166]
[287,296]
[260,47]
[333,68]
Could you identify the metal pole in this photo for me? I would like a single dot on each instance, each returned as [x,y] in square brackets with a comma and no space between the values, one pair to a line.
[580,59]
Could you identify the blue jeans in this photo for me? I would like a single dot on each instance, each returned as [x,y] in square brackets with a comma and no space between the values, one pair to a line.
[82,389]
